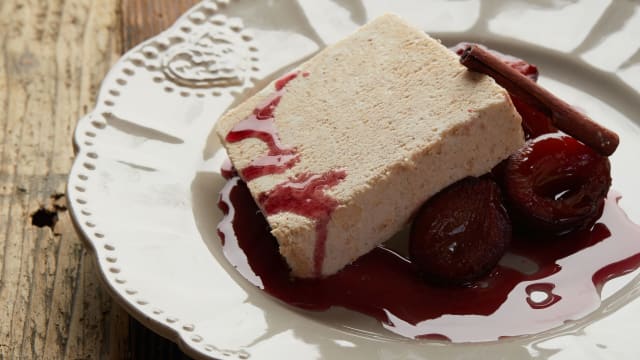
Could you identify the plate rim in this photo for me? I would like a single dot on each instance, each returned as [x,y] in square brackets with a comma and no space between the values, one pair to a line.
[169,331]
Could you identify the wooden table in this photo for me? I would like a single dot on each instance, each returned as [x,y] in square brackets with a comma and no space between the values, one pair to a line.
[54,54]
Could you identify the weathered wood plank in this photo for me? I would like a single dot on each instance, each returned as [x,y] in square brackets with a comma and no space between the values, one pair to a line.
[142,19]
[53,57]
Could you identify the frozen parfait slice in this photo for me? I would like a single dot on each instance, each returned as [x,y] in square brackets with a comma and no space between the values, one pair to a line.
[341,152]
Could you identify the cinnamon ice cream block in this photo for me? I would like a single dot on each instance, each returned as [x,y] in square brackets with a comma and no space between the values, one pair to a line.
[342,151]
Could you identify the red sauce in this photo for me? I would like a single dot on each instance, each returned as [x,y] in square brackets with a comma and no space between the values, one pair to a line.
[547,290]
[304,195]
[227,170]
[261,125]
[570,270]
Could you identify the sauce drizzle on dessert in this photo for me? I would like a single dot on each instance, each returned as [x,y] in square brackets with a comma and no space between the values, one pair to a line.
[227,170]
[304,195]
[261,125]
[570,269]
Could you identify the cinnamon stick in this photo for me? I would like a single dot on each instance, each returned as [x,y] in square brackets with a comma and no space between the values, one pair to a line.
[563,116]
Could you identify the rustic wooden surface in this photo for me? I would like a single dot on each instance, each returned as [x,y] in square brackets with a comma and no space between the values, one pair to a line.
[142,19]
[53,55]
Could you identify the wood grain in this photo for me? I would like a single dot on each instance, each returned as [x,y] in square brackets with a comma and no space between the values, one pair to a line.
[142,19]
[54,54]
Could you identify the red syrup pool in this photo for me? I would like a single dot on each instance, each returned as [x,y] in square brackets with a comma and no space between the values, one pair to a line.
[537,286]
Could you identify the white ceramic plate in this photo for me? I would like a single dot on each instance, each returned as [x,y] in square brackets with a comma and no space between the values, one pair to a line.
[144,185]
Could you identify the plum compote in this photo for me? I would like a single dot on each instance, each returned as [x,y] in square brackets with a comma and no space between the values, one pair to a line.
[461,233]
[556,184]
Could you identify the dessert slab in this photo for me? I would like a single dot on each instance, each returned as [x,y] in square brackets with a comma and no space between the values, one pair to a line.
[144,185]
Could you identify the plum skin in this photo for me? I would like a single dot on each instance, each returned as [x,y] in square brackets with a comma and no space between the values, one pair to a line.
[461,233]
[556,184]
